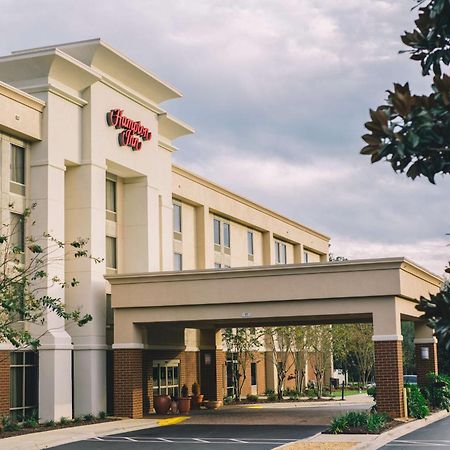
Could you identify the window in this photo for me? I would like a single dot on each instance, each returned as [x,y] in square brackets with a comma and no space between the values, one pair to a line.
[111,201]
[177,217]
[17,231]
[23,385]
[253,373]
[165,377]
[226,235]
[177,261]
[109,312]
[217,231]
[250,243]
[111,252]
[280,253]
[17,164]
[232,370]
[306,257]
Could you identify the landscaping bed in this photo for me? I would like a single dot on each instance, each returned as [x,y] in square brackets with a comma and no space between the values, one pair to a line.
[10,429]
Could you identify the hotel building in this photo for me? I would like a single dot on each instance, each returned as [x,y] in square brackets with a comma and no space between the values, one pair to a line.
[83,135]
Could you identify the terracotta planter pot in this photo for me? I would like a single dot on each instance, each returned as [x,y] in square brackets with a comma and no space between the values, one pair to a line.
[197,401]
[162,404]
[184,405]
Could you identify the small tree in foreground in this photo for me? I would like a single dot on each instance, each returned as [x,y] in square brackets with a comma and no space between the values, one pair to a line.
[25,280]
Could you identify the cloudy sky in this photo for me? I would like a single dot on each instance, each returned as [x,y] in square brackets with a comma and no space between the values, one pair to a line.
[278,92]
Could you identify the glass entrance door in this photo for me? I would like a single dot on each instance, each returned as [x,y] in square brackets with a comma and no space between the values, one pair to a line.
[166,377]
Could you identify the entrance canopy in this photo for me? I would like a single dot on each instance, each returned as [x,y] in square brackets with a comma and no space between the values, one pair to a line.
[380,290]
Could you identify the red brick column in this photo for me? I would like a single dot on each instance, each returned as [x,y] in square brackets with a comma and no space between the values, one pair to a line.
[128,383]
[147,382]
[389,377]
[211,372]
[424,366]
[4,382]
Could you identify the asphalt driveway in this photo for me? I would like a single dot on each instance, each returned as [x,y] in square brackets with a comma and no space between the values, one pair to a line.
[231,427]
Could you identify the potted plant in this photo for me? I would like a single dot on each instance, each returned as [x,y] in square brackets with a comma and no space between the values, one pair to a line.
[162,404]
[184,402]
[197,397]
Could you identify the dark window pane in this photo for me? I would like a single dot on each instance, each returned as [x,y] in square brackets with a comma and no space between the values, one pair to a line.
[216,232]
[30,358]
[16,387]
[253,374]
[111,252]
[226,235]
[16,358]
[31,386]
[111,204]
[17,231]
[249,242]
[17,164]
[177,218]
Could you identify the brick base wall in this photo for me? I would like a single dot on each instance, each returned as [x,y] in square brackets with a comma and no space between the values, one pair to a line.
[128,383]
[389,377]
[4,382]
[424,366]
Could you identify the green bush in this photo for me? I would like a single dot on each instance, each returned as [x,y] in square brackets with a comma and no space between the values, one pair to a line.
[252,398]
[291,393]
[228,400]
[64,421]
[49,423]
[88,417]
[372,391]
[417,404]
[77,419]
[271,395]
[376,422]
[369,422]
[31,422]
[338,424]
[437,397]
[8,424]
[102,415]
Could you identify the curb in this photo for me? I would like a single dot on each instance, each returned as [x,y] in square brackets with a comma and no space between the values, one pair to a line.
[401,430]
[367,441]
[53,438]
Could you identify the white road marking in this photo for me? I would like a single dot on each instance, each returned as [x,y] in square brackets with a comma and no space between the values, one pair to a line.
[164,439]
[201,440]
[239,440]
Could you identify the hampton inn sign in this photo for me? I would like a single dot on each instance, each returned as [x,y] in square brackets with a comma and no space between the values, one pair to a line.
[132,134]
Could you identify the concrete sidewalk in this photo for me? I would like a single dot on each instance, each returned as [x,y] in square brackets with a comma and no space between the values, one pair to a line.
[48,439]
[362,441]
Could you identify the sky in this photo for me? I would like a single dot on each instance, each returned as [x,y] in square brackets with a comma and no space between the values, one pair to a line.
[278,92]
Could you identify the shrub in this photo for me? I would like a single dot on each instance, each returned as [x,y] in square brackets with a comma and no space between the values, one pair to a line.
[195,389]
[357,419]
[228,400]
[88,417]
[64,421]
[417,405]
[369,422]
[252,398]
[49,423]
[31,422]
[102,415]
[9,424]
[77,419]
[291,393]
[372,391]
[438,397]
[338,424]
[271,395]
[376,422]
[184,391]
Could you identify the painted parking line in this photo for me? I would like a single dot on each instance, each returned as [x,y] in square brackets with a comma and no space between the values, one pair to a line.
[193,440]
[418,443]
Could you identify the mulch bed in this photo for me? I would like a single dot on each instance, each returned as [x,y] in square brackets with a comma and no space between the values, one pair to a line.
[57,426]
[389,426]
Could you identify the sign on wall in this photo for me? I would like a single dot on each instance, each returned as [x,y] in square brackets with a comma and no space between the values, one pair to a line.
[133,132]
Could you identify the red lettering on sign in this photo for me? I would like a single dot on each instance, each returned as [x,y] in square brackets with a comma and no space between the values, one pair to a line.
[132,132]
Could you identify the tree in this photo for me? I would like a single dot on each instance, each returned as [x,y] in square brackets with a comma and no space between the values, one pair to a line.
[412,132]
[281,342]
[241,343]
[353,346]
[320,345]
[25,278]
[299,353]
